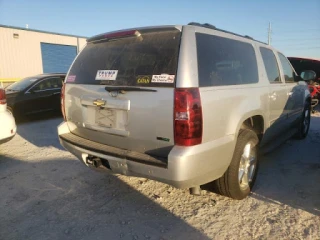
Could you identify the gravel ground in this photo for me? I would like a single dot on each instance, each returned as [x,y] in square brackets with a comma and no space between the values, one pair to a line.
[48,194]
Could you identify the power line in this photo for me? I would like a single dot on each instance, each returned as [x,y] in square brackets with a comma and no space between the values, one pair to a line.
[297,39]
[300,49]
[297,46]
[303,48]
[298,43]
[294,40]
[301,30]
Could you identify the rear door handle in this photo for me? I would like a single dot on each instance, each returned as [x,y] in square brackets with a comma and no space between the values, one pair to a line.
[56,93]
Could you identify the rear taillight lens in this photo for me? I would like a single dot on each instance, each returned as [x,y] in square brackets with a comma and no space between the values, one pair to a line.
[3,99]
[62,101]
[187,117]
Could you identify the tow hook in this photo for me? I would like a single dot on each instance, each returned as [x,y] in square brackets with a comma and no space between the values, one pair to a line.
[93,161]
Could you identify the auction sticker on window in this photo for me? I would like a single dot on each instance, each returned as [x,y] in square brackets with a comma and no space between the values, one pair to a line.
[163,78]
[143,79]
[106,74]
[71,78]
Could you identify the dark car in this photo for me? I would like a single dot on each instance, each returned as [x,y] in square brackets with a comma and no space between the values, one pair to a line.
[303,64]
[36,94]
[311,69]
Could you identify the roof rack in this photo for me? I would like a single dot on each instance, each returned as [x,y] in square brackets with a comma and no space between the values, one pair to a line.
[207,25]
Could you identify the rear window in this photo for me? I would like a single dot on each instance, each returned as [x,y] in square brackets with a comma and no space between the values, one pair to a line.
[223,61]
[150,59]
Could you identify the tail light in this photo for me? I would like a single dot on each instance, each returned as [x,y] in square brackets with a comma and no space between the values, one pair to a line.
[63,111]
[3,99]
[187,117]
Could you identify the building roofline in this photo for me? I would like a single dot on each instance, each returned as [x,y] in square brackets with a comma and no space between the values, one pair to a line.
[40,31]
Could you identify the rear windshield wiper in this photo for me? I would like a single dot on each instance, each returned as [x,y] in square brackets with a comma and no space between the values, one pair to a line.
[128,89]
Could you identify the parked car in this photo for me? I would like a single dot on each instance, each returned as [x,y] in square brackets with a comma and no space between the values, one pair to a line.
[36,94]
[184,105]
[8,126]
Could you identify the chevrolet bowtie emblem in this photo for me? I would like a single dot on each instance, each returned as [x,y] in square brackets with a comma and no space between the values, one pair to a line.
[99,102]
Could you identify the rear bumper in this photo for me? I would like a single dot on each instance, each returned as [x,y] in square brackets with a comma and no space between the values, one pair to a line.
[187,166]
[8,126]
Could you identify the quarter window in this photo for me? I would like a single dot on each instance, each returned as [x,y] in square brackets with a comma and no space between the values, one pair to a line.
[224,61]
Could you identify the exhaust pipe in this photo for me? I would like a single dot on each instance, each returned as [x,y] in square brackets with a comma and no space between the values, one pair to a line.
[93,161]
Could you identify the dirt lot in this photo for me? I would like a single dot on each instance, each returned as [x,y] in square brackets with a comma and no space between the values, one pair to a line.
[48,194]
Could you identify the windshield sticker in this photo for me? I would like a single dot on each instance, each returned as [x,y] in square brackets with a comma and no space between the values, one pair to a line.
[163,78]
[71,78]
[107,75]
[143,79]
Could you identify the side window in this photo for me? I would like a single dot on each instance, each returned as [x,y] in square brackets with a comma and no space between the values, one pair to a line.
[48,84]
[271,65]
[57,82]
[287,69]
[223,61]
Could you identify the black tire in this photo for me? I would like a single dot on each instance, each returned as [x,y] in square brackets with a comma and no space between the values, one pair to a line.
[304,124]
[229,184]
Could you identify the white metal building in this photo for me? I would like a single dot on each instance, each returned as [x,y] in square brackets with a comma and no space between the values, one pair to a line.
[25,52]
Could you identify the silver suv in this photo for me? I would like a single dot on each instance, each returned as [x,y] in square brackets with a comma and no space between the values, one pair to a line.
[184,105]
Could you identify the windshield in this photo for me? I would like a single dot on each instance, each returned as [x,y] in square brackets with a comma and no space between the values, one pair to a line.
[22,84]
[147,60]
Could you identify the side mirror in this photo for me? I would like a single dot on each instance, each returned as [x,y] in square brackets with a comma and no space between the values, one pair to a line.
[308,75]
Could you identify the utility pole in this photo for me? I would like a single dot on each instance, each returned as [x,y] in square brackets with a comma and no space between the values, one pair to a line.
[269,34]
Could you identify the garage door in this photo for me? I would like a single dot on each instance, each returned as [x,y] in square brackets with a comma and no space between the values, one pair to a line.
[56,57]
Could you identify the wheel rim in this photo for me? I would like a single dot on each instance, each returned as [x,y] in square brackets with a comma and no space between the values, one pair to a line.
[306,121]
[247,166]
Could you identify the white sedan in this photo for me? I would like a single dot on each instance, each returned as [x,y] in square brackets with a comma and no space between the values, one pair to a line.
[8,126]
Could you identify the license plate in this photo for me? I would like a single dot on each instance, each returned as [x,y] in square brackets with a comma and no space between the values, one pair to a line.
[106,118]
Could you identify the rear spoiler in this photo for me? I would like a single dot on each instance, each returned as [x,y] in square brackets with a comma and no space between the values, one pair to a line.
[131,32]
